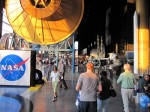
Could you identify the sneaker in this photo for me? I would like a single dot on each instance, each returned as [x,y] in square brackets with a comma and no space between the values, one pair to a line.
[65,88]
[53,99]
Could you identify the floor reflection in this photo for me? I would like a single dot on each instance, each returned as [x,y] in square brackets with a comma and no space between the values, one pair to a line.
[12,101]
[9,104]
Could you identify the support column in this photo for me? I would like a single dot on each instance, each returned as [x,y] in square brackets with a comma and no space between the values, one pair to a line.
[136,70]
[2,3]
[143,35]
[57,55]
[73,55]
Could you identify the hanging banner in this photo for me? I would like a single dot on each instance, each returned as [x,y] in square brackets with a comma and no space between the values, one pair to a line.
[15,67]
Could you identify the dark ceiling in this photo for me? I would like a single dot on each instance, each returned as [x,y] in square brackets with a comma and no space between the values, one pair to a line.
[94,20]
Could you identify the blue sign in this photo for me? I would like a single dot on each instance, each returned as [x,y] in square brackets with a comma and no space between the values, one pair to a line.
[12,67]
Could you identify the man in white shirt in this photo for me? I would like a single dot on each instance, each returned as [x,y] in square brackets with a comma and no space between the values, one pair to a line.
[61,68]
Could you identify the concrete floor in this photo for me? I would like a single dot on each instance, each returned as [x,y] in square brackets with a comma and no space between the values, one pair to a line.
[39,98]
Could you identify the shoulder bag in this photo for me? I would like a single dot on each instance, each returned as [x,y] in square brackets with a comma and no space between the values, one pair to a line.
[112,91]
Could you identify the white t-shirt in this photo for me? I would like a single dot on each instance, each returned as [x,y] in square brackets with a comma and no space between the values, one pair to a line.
[55,76]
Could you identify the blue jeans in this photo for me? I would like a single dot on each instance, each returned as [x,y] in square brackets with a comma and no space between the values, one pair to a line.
[102,105]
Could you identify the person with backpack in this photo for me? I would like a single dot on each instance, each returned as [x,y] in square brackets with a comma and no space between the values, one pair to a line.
[104,94]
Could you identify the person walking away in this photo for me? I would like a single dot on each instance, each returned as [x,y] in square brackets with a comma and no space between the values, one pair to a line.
[117,66]
[62,73]
[88,84]
[104,94]
[127,81]
[55,78]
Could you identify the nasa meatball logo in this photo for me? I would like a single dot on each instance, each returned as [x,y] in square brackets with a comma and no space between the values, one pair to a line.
[12,67]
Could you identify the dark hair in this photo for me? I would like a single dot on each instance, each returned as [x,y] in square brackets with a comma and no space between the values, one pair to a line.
[103,75]
[117,57]
[55,67]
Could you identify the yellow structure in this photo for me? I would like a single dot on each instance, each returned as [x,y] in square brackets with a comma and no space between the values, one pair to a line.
[142,36]
[143,49]
[44,21]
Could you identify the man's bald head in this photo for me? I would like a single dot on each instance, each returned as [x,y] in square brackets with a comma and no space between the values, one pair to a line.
[127,67]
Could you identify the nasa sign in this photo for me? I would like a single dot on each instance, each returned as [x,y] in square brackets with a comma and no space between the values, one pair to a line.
[15,67]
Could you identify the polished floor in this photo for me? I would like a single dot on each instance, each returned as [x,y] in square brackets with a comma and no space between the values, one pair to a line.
[39,98]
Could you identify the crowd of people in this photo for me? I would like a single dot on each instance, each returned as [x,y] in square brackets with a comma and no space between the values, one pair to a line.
[95,89]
